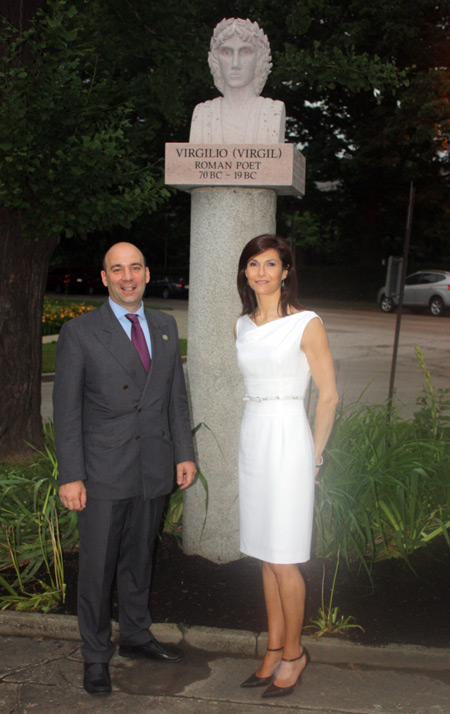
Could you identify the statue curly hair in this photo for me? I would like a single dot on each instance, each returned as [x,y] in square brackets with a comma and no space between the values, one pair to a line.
[249,32]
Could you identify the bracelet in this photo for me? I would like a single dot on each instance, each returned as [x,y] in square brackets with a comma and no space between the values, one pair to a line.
[320,463]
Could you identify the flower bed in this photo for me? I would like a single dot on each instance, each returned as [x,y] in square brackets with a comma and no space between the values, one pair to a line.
[56,312]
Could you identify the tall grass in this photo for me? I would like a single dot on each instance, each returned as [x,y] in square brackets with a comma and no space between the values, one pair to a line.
[385,489]
[35,530]
[328,619]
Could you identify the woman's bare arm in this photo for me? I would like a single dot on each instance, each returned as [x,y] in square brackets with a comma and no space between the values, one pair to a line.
[317,350]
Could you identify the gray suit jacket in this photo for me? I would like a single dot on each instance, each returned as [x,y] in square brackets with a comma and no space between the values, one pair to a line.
[118,429]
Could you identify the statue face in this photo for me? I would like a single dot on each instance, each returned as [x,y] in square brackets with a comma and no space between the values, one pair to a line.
[237,61]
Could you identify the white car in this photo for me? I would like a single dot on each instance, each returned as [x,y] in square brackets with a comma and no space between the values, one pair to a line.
[425,289]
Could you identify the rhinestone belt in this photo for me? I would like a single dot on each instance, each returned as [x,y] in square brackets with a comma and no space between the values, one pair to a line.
[247,398]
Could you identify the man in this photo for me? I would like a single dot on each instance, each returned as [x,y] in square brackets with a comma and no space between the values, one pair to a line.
[121,421]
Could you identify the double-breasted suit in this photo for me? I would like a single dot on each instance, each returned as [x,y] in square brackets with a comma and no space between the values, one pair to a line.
[119,430]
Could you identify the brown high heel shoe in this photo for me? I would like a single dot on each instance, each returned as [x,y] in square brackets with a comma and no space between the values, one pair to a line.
[274,691]
[255,681]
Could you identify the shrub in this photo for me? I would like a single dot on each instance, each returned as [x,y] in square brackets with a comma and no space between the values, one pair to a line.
[385,489]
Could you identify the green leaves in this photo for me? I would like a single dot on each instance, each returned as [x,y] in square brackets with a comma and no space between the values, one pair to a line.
[325,67]
[385,489]
[364,88]
[69,153]
[34,530]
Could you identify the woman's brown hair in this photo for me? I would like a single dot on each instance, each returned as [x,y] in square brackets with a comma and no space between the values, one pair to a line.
[254,247]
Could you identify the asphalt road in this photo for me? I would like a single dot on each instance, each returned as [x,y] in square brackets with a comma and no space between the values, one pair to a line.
[362,345]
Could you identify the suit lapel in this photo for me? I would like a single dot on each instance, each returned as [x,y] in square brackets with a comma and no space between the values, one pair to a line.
[113,337]
[157,351]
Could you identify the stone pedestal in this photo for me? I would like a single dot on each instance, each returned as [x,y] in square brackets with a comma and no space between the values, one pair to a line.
[223,220]
[234,190]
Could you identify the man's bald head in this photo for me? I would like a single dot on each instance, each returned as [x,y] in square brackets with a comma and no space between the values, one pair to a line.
[125,274]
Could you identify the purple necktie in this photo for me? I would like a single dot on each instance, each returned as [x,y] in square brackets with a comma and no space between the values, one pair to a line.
[138,340]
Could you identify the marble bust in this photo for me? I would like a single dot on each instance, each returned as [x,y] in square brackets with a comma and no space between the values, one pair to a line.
[240,62]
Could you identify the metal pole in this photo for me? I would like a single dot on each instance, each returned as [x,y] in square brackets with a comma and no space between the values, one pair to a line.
[412,193]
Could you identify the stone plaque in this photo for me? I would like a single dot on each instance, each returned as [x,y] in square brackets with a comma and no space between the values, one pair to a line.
[277,166]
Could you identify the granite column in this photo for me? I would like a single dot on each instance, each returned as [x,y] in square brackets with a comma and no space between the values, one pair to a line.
[223,220]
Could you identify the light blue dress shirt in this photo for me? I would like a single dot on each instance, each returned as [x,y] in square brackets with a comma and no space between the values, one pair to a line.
[120,313]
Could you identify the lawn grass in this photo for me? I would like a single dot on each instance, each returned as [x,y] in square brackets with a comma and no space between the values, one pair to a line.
[48,357]
[316,303]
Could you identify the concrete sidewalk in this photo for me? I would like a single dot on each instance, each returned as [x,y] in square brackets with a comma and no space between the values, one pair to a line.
[41,673]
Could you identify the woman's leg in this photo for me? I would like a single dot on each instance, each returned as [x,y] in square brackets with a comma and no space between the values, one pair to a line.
[275,622]
[292,595]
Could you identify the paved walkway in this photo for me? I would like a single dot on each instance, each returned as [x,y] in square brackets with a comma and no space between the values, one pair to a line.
[41,673]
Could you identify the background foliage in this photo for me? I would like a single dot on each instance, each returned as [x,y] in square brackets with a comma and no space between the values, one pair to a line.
[90,92]
[69,162]
[367,96]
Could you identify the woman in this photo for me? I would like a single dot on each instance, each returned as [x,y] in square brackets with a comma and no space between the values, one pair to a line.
[279,345]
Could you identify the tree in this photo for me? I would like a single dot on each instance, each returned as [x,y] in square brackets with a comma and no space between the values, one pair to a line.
[70,163]
[161,60]
[366,91]
[371,109]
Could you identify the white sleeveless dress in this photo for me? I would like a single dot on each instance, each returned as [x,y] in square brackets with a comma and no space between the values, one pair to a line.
[276,451]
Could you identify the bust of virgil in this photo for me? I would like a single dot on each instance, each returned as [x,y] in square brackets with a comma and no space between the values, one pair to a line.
[240,62]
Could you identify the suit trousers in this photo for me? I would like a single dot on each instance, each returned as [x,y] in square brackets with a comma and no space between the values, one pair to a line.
[116,539]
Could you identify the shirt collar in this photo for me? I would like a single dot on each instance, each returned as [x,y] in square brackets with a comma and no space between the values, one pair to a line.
[120,311]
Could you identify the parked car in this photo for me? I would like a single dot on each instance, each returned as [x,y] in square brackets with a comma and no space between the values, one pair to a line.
[168,287]
[424,290]
[65,280]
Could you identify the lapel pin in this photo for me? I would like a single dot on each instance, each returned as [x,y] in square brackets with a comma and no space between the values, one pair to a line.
[165,337]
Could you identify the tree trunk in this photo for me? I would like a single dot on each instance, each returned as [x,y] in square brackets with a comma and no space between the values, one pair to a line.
[23,273]
[18,13]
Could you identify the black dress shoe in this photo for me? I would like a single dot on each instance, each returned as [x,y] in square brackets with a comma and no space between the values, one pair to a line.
[255,681]
[96,678]
[152,650]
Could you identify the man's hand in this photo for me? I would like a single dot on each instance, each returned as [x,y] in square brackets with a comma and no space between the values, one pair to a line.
[186,471]
[73,495]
